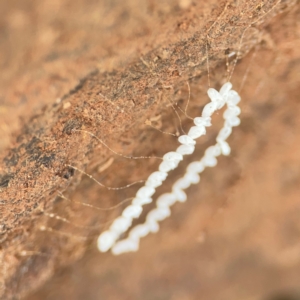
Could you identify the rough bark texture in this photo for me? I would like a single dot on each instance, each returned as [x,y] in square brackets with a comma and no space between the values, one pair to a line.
[106,67]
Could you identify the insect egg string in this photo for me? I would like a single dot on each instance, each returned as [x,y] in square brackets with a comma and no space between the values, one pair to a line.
[119,248]
[191,176]
[227,96]
[230,74]
[109,238]
[231,98]
[169,163]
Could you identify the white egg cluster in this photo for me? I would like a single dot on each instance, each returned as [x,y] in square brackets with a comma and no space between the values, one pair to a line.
[109,238]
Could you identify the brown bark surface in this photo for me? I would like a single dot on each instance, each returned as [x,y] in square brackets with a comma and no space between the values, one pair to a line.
[107,67]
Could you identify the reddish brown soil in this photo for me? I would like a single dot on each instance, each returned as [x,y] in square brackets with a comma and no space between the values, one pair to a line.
[107,67]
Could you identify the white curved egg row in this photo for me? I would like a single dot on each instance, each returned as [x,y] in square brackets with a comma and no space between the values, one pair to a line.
[109,239]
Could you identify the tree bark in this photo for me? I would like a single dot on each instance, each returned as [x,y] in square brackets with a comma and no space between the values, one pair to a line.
[106,68]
